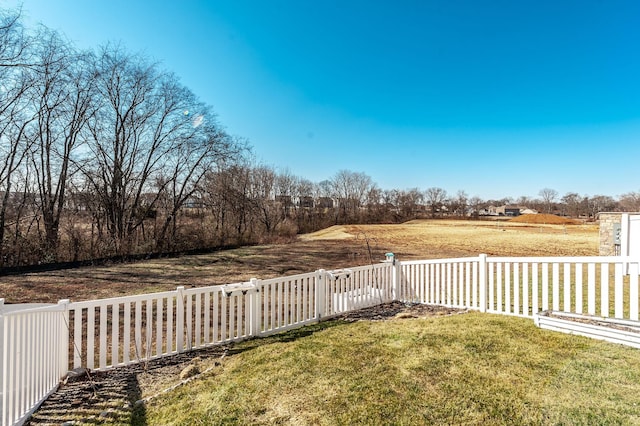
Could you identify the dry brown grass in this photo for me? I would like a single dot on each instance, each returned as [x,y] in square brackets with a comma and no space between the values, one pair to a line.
[335,247]
[543,218]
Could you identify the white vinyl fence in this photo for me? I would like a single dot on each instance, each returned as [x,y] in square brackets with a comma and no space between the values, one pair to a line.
[34,358]
[525,286]
[40,345]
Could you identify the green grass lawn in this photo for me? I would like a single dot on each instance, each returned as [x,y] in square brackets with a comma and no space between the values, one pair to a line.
[463,369]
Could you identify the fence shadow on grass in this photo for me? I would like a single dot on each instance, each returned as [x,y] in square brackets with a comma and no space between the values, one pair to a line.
[110,396]
[103,397]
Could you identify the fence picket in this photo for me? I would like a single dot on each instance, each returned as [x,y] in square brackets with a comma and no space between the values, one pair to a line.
[545,286]
[604,290]
[516,289]
[115,329]
[591,288]
[103,336]
[159,325]
[126,343]
[579,288]
[633,291]
[535,291]
[618,291]
[555,298]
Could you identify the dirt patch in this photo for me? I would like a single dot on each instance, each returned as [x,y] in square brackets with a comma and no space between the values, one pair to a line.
[398,310]
[543,218]
[336,232]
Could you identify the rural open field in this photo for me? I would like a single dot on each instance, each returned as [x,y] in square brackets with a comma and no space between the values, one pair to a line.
[393,364]
[397,364]
[334,247]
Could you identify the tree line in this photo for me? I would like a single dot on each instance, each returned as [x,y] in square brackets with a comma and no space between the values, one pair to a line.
[104,153]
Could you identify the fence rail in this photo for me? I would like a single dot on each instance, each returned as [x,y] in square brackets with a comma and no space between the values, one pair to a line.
[40,345]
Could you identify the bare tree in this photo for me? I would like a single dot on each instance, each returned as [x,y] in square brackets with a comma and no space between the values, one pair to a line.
[435,198]
[227,195]
[350,188]
[63,101]
[475,203]
[140,128]
[200,145]
[630,201]
[548,196]
[13,41]
[601,203]
[285,187]
[407,202]
[14,115]
[461,202]
[572,202]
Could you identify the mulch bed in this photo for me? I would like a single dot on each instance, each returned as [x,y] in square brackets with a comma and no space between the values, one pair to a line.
[114,396]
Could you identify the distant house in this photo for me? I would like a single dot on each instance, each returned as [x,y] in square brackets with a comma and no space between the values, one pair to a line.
[508,210]
[511,210]
[325,203]
[306,202]
[488,211]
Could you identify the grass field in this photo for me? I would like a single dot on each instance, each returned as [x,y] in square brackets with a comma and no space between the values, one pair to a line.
[335,247]
[477,369]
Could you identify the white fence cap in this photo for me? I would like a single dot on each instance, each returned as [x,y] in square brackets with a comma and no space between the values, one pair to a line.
[4,309]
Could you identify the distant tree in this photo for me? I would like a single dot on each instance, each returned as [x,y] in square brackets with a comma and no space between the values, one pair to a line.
[548,196]
[407,202]
[571,202]
[227,193]
[202,148]
[461,202]
[601,203]
[268,212]
[435,198]
[350,189]
[630,201]
[475,203]
[285,187]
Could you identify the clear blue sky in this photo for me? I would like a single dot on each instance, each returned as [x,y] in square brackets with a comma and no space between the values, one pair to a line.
[497,98]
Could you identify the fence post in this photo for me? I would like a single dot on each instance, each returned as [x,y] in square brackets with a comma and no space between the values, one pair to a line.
[63,344]
[321,281]
[256,299]
[179,319]
[482,278]
[395,278]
